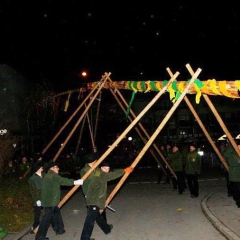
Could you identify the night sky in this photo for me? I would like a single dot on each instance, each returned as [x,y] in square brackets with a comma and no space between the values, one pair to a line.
[56,40]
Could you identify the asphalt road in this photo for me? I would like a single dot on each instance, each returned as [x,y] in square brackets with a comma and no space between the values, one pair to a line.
[146,210]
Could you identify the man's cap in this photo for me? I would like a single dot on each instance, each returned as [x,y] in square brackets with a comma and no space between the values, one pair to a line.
[53,164]
[237,141]
[37,166]
[169,144]
[91,157]
[105,164]
[193,144]
[175,145]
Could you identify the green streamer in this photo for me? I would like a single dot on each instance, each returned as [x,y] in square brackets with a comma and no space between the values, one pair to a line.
[130,104]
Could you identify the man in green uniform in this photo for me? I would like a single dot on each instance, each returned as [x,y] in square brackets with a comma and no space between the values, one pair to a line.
[193,169]
[35,184]
[95,192]
[233,161]
[50,197]
[175,161]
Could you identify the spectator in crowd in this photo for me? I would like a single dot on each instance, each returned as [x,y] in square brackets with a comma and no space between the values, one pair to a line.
[95,192]
[70,165]
[35,184]
[224,144]
[10,170]
[193,169]
[176,163]
[160,171]
[168,152]
[50,198]
[233,161]
[24,168]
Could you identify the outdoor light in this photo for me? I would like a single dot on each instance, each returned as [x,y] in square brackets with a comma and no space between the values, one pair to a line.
[84,74]
[223,137]
[201,153]
[129,138]
[3,131]
[238,136]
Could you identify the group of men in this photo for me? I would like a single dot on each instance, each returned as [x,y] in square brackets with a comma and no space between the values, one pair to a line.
[184,165]
[188,166]
[45,190]
[45,187]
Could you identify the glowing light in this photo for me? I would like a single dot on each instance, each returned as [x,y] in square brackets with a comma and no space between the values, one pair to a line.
[3,131]
[201,153]
[84,74]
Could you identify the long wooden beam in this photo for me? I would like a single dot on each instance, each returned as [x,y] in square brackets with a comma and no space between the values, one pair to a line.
[154,135]
[210,87]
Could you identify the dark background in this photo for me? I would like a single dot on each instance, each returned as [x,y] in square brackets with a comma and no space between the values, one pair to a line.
[57,40]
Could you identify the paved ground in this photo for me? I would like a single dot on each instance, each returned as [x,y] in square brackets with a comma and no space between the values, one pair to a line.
[146,210]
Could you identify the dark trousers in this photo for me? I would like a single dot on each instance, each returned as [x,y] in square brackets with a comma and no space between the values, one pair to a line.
[179,182]
[93,214]
[37,214]
[235,191]
[228,183]
[160,174]
[168,176]
[50,215]
[192,181]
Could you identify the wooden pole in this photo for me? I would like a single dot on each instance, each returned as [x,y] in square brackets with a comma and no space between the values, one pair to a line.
[138,131]
[97,115]
[219,119]
[110,149]
[148,136]
[81,117]
[68,121]
[90,130]
[80,135]
[150,141]
[203,127]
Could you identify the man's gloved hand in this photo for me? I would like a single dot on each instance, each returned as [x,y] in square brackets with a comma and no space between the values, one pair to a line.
[128,170]
[78,182]
[38,202]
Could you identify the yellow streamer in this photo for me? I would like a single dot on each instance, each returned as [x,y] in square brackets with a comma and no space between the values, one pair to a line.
[198,95]
[213,87]
[139,87]
[237,83]
[67,102]
[171,93]
[158,86]
[148,86]
[223,89]
[181,86]
[133,88]
[204,89]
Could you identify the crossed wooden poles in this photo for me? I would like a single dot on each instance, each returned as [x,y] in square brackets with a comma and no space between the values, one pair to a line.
[135,121]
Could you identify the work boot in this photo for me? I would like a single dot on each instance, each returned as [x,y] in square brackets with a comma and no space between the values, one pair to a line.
[111,227]
[60,233]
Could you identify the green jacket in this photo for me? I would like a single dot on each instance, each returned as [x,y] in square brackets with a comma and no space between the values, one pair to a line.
[51,188]
[35,185]
[23,169]
[233,161]
[86,182]
[175,161]
[193,163]
[95,186]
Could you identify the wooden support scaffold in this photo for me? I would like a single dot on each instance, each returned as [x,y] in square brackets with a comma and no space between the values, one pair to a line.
[178,91]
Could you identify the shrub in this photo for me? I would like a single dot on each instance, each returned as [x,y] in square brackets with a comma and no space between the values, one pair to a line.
[16,211]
